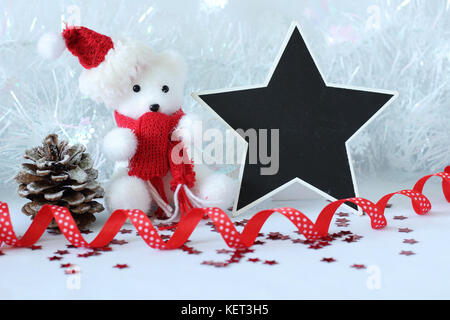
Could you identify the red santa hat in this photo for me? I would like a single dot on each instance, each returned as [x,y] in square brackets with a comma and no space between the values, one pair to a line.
[89,46]
[108,63]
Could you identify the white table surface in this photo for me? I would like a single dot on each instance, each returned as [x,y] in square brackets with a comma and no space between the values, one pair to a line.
[299,274]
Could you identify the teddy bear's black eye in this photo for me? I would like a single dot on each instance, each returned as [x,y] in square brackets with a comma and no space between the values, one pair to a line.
[165,89]
[136,88]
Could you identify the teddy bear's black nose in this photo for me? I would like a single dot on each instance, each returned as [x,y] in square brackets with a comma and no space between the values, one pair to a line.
[154,107]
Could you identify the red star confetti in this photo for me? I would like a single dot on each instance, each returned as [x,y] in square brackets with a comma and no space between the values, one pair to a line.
[241,223]
[54,258]
[35,248]
[186,248]
[342,220]
[1,253]
[273,235]
[119,242]
[328,260]
[277,236]
[66,265]
[220,264]
[189,250]
[327,238]
[238,254]
[224,251]
[335,236]
[353,238]
[62,252]
[407,253]
[245,250]
[270,262]
[410,241]
[89,254]
[215,264]
[324,243]
[315,246]
[167,226]
[342,214]
[104,249]
[406,230]
[234,259]
[86,231]
[214,229]
[342,225]
[389,205]
[124,231]
[258,242]
[121,266]
[400,217]
[358,266]
[253,260]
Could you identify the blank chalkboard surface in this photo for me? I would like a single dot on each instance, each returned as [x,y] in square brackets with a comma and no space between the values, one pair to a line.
[314,119]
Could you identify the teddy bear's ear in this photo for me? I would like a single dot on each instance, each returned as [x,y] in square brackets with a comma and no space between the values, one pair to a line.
[176,61]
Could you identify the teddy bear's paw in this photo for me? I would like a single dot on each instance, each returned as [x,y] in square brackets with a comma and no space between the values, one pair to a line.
[219,190]
[120,144]
[128,193]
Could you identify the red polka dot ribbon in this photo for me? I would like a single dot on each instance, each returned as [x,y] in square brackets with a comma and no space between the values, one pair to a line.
[222,222]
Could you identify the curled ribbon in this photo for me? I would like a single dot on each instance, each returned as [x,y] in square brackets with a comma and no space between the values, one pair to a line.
[222,222]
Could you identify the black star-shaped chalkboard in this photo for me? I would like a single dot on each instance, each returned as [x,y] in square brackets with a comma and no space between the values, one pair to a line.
[315,120]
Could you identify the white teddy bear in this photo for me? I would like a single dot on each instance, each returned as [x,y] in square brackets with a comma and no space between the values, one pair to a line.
[146,91]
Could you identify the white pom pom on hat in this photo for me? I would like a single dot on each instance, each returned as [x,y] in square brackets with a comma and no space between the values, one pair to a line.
[88,46]
[51,45]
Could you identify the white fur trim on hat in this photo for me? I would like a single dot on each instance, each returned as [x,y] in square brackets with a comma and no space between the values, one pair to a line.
[111,78]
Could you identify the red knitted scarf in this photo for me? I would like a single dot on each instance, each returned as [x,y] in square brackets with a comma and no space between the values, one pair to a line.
[153,159]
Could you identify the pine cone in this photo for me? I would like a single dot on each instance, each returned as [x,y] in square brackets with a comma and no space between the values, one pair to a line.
[61,175]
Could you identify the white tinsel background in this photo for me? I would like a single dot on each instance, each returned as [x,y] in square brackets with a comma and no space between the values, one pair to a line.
[386,44]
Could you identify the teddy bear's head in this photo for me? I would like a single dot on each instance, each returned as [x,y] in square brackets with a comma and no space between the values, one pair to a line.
[137,80]
[125,75]
[158,87]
